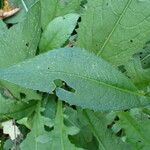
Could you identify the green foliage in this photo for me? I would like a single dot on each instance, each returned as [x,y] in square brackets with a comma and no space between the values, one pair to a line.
[140,76]
[54,8]
[95,84]
[98,124]
[19,43]
[17,109]
[58,138]
[1,4]
[58,31]
[37,130]
[136,130]
[94,96]
[20,40]
[116,28]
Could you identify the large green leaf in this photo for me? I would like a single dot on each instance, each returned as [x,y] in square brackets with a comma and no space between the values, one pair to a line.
[58,31]
[53,8]
[115,29]
[97,84]
[17,47]
[23,44]
[98,125]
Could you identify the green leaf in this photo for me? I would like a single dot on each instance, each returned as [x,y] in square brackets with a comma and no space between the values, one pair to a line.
[58,31]
[31,142]
[11,108]
[84,138]
[18,92]
[115,29]
[96,83]
[21,46]
[144,55]
[58,138]
[98,125]
[137,132]
[140,76]
[7,145]
[49,103]
[53,8]
[26,39]
[1,4]
[39,138]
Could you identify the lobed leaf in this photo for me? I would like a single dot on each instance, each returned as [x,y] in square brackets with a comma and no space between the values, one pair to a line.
[137,132]
[98,125]
[37,130]
[58,138]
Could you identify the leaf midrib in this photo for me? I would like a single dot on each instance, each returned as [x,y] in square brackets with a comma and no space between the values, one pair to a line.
[116,25]
[146,57]
[99,82]
[94,131]
[86,78]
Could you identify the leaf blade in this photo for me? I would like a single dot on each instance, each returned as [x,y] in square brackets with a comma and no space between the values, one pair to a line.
[115,33]
[98,125]
[97,84]
[16,109]
[58,31]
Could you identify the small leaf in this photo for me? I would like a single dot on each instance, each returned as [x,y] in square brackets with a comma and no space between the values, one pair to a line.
[58,31]
[16,109]
[140,76]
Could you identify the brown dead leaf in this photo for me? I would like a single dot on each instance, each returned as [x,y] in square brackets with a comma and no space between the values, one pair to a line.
[7,10]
